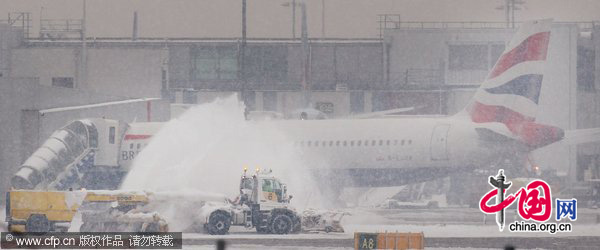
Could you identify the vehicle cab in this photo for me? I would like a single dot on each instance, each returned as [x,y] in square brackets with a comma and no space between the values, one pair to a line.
[262,188]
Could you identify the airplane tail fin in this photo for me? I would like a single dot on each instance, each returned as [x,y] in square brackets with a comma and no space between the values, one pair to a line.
[511,91]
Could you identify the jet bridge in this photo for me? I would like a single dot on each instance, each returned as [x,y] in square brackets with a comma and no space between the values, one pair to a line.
[71,152]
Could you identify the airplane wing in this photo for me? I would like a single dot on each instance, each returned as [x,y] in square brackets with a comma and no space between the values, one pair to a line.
[383,113]
[579,136]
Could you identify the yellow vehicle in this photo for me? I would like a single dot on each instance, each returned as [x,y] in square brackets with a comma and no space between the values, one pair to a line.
[263,204]
[43,211]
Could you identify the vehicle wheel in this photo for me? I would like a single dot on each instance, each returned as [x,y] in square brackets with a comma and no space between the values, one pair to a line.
[281,224]
[85,227]
[218,223]
[297,226]
[37,223]
[262,230]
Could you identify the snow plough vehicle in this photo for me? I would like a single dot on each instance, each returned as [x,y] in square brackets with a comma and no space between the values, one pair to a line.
[263,204]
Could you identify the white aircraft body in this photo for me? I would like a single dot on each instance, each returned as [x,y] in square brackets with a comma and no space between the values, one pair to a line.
[497,125]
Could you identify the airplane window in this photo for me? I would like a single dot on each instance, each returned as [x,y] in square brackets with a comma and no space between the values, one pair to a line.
[409,141]
[316,143]
[395,142]
[337,143]
[138,146]
[358,143]
[380,142]
[330,143]
[387,142]
[308,144]
[366,143]
[131,146]
[352,143]
[402,142]
[373,143]
[345,143]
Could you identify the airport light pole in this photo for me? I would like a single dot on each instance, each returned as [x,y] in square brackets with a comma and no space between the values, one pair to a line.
[509,8]
[242,56]
[305,52]
[83,65]
[294,19]
[322,18]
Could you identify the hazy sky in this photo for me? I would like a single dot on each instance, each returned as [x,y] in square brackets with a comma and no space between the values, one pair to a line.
[268,18]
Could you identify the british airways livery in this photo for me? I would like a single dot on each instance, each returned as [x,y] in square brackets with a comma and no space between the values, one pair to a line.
[497,125]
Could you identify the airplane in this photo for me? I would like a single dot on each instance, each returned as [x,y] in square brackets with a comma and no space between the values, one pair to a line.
[497,125]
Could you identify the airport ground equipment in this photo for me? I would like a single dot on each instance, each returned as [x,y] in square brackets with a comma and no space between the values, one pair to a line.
[263,204]
[43,211]
[314,220]
[94,154]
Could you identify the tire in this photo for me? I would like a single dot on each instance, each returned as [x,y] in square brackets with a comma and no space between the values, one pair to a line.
[37,223]
[218,223]
[262,230]
[281,224]
[297,227]
[85,227]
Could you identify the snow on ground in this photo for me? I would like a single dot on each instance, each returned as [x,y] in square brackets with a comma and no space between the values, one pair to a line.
[261,247]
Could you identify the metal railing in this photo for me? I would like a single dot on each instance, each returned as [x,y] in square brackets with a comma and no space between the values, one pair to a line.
[413,76]
[393,21]
[20,20]
[61,28]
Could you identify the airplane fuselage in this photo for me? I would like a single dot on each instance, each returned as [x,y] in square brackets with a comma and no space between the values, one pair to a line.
[387,152]
[369,152]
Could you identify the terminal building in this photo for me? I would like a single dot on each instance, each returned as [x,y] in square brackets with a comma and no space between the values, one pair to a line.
[432,67]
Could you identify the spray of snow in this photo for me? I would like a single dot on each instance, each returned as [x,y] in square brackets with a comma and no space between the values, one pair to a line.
[206,148]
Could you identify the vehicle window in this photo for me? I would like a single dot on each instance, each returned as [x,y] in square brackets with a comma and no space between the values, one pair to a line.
[247,183]
[267,186]
[276,185]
